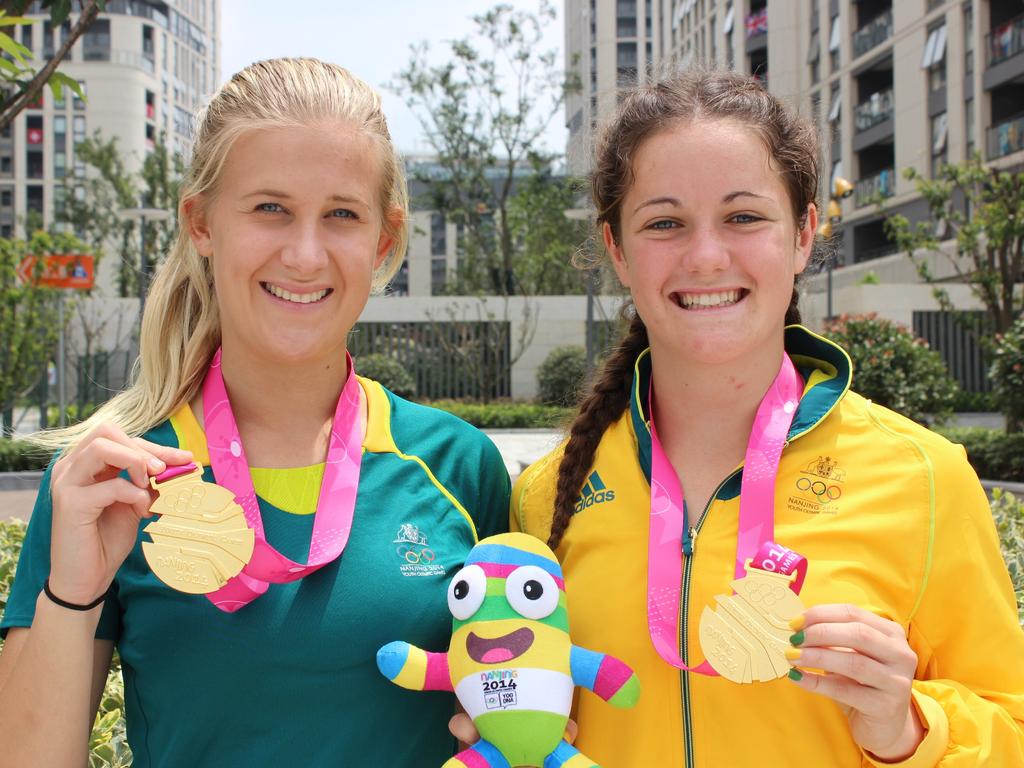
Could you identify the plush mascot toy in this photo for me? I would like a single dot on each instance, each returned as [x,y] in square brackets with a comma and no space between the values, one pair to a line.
[511,662]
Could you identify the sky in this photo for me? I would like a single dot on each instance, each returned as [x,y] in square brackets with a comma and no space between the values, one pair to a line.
[372,39]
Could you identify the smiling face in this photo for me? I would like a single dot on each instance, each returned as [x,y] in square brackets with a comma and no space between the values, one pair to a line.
[294,232]
[709,245]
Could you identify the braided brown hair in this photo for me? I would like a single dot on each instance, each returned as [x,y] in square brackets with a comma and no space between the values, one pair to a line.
[695,94]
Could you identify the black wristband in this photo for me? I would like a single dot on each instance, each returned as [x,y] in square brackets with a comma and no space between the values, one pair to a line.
[73,606]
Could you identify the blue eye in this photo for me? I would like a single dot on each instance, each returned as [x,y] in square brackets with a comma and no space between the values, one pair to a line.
[663,224]
[270,208]
[343,213]
[745,218]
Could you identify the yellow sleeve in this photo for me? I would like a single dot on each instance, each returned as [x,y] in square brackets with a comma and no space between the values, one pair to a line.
[969,690]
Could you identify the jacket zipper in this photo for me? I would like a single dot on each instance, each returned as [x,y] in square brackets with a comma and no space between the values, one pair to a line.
[689,549]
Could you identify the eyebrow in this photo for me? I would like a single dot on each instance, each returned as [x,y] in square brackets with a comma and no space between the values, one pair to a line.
[741,193]
[657,201]
[286,196]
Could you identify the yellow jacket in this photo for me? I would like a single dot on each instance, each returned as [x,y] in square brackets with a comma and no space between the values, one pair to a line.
[890,516]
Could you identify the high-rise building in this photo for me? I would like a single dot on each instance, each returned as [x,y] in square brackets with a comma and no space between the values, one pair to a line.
[891,85]
[144,66]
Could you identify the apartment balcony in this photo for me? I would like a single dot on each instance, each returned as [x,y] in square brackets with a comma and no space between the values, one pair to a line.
[873,188]
[1003,48]
[756,25]
[1005,138]
[1006,41]
[872,34]
[876,109]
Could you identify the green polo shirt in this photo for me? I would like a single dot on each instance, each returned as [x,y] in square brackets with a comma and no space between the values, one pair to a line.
[291,679]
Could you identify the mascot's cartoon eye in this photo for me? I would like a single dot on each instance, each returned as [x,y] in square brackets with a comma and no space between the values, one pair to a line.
[467,591]
[532,592]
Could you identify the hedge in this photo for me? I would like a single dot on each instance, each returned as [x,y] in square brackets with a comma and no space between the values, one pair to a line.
[506,415]
[994,454]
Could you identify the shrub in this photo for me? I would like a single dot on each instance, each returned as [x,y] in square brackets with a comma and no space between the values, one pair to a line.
[561,375]
[107,745]
[389,372]
[1007,372]
[994,454]
[505,415]
[18,456]
[894,368]
[974,402]
[1008,513]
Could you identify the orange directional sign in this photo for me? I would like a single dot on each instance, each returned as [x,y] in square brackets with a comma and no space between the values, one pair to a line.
[66,270]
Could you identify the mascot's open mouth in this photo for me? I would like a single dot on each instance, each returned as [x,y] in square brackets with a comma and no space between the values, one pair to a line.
[500,649]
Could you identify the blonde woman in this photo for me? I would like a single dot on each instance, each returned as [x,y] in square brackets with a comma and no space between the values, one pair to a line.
[293,210]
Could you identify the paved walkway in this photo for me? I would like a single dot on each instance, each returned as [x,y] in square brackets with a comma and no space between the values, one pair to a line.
[519,448]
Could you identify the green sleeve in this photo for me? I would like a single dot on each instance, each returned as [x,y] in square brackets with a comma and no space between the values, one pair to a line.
[34,567]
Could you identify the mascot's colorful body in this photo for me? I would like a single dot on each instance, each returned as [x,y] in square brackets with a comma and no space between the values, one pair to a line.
[511,662]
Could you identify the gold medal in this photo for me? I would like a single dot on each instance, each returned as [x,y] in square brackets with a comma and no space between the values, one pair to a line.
[201,538]
[746,636]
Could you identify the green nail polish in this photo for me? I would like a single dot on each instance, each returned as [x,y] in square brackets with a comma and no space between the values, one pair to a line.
[797,639]
[796,675]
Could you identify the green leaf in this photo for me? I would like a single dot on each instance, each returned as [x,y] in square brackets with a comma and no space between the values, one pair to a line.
[15,49]
[6,21]
[59,78]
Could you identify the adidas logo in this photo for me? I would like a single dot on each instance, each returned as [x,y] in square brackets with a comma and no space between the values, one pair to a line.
[594,492]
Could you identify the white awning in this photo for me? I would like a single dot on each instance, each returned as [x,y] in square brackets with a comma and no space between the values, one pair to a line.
[940,127]
[934,48]
[833,111]
[833,40]
[727,23]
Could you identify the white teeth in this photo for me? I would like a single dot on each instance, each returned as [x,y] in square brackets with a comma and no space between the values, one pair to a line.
[722,299]
[297,298]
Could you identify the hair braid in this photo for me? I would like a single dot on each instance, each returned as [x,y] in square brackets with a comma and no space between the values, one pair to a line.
[608,398]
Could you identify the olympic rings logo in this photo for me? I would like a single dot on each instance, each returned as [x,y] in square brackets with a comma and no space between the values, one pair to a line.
[819,489]
[416,556]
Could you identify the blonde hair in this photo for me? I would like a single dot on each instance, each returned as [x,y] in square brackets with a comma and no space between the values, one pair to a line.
[181,325]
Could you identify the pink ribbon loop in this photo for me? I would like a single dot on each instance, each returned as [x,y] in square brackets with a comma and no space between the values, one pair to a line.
[756,520]
[335,506]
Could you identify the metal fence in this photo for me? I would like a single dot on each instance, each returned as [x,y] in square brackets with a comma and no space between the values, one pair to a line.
[457,359]
[951,335]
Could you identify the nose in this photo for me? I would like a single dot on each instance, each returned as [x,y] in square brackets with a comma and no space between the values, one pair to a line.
[306,251]
[705,252]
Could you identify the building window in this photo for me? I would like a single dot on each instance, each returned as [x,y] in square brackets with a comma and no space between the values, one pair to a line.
[6,198]
[625,18]
[969,125]
[77,102]
[835,104]
[968,38]
[96,41]
[934,58]
[940,126]
[34,198]
[26,36]
[47,39]
[148,48]
[814,57]
[6,166]
[833,43]
[626,62]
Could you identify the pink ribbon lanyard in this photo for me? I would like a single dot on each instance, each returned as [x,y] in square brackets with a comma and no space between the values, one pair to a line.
[335,506]
[756,520]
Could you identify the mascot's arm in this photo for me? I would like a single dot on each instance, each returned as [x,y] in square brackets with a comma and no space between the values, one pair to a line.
[413,668]
[605,675]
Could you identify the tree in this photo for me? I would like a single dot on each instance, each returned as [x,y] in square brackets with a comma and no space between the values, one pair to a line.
[28,314]
[110,186]
[22,85]
[483,112]
[982,210]
[546,240]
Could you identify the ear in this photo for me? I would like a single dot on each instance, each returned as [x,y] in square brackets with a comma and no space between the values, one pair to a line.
[196,220]
[805,239]
[394,221]
[617,256]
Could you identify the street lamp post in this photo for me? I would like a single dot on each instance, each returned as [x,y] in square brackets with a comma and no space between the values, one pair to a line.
[587,214]
[142,214]
[841,188]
